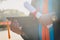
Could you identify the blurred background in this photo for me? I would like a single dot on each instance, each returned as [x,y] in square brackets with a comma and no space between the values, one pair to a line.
[15,8]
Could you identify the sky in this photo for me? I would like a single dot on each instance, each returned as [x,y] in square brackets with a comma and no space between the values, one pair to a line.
[15,4]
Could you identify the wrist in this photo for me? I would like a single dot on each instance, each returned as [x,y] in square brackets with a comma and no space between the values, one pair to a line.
[37,14]
[49,26]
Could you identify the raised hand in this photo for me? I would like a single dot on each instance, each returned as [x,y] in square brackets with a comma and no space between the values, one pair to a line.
[44,19]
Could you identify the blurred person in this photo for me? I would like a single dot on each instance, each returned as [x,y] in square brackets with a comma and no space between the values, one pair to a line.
[43,19]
